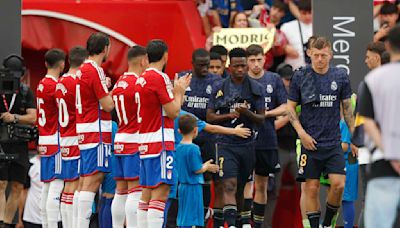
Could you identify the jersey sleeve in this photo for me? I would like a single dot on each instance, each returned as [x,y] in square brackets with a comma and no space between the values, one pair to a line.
[30,99]
[346,89]
[163,88]
[214,93]
[195,161]
[294,88]
[281,92]
[99,84]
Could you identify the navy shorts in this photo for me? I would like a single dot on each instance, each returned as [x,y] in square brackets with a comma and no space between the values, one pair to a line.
[322,161]
[157,170]
[267,162]
[236,161]
[126,167]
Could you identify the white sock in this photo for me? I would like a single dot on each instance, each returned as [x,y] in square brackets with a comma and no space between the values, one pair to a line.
[142,214]
[63,209]
[43,202]
[70,213]
[86,200]
[155,214]
[75,204]
[53,203]
[118,210]
[131,207]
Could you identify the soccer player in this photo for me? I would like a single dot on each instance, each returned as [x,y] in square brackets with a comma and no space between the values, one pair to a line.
[237,100]
[159,103]
[267,157]
[216,64]
[127,165]
[197,96]
[93,104]
[65,96]
[320,89]
[50,156]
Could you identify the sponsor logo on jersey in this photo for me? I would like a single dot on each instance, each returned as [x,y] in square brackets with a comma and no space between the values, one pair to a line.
[326,101]
[196,102]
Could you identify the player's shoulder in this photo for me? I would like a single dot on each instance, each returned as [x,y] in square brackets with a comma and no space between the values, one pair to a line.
[152,74]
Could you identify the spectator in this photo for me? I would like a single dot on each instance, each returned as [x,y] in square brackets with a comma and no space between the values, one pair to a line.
[225,9]
[378,104]
[216,64]
[373,57]
[239,20]
[223,52]
[388,16]
[203,6]
[297,33]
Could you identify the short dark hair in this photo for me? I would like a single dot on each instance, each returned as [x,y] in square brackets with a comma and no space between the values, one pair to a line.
[254,49]
[219,49]
[305,5]
[388,8]
[320,43]
[394,38]
[385,57]
[53,57]
[187,123]
[76,56]
[237,53]
[279,5]
[96,43]
[215,56]
[200,52]
[156,50]
[376,47]
[136,51]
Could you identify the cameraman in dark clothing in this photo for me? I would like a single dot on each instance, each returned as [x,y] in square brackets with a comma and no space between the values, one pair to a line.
[16,108]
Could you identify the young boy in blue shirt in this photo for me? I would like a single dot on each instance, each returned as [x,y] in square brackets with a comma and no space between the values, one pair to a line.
[190,170]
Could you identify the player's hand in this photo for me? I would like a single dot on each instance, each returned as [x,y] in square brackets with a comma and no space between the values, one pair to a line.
[354,150]
[308,142]
[180,84]
[242,132]
[396,165]
[7,117]
[108,82]
[242,108]
[234,115]
[213,168]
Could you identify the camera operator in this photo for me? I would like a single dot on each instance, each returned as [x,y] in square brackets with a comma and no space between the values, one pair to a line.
[15,108]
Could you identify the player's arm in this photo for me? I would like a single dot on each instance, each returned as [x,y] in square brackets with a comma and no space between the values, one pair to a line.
[281,122]
[257,117]
[345,146]
[279,111]
[348,114]
[306,140]
[213,117]
[239,130]
[180,84]
[107,103]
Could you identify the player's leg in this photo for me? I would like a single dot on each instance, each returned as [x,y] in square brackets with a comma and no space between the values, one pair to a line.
[311,188]
[63,206]
[348,213]
[87,194]
[334,197]
[306,223]
[70,174]
[155,214]
[218,203]
[53,202]
[118,204]
[146,194]
[75,203]
[132,203]
[245,214]
[43,203]
[230,206]
[260,199]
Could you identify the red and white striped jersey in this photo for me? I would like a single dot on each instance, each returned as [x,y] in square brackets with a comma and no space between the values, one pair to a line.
[47,116]
[126,106]
[155,90]
[90,88]
[65,95]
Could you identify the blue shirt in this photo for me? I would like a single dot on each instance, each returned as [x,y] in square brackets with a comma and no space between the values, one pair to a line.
[321,119]
[108,185]
[275,95]
[224,8]
[346,136]
[227,96]
[188,161]
[178,137]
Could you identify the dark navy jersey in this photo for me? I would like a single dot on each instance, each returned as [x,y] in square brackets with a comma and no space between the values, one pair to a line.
[275,95]
[226,96]
[198,94]
[321,118]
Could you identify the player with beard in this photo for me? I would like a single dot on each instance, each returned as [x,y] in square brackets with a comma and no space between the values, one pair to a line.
[267,157]
[234,101]
[159,104]
[196,97]
[93,104]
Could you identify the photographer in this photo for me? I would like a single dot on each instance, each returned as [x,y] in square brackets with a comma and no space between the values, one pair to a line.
[18,107]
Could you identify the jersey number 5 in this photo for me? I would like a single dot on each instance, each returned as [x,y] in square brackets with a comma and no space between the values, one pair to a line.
[42,115]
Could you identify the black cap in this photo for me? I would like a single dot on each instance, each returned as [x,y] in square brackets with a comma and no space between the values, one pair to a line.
[285,71]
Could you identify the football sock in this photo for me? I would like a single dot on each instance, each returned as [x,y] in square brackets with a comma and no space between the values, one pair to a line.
[330,212]
[155,214]
[230,214]
[258,214]
[142,214]
[218,217]
[53,202]
[75,203]
[118,210]
[313,218]
[348,214]
[86,200]
[131,208]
